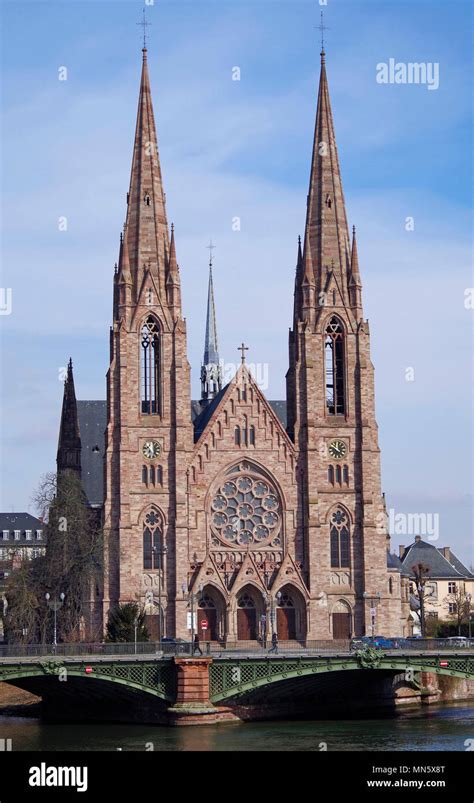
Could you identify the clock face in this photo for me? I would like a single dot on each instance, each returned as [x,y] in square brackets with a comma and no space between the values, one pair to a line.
[337,449]
[151,449]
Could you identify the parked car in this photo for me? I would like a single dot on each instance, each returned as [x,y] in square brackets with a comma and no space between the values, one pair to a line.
[458,641]
[376,642]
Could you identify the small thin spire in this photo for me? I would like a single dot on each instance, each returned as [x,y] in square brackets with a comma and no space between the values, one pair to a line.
[355,275]
[211,371]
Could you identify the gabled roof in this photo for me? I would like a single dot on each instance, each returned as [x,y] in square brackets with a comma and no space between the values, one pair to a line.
[428,555]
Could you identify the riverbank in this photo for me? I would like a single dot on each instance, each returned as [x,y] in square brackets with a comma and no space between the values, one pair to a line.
[15,702]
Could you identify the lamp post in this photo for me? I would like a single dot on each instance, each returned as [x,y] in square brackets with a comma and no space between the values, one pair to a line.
[159,551]
[468,600]
[55,604]
[135,630]
[192,598]
[373,600]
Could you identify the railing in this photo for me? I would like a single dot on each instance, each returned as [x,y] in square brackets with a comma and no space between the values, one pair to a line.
[95,649]
[227,648]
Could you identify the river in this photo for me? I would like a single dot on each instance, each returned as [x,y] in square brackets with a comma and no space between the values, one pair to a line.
[438,727]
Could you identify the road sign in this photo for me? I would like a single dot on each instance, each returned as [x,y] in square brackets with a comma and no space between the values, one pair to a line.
[204,624]
[192,623]
[373,611]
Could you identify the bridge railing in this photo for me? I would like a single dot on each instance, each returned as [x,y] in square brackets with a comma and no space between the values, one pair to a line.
[94,649]
[184,648]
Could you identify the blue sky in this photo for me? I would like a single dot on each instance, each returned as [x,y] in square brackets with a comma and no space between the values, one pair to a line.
[242,149]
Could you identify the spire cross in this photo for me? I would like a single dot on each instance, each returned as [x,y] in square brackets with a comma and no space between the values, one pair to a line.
[322,27]
[211,248]
[243,348]
[144,24]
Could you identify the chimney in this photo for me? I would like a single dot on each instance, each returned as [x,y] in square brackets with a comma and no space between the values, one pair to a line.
[401,550]
[417,539]
[446,552]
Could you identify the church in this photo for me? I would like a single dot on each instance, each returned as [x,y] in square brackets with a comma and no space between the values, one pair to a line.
[234,516]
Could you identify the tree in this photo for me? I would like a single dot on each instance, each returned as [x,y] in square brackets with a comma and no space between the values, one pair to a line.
[420,575]
[72,565]
[462,602]
[122,622]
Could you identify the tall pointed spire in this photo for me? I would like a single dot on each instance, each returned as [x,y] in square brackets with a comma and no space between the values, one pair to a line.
[147,227]
[69,445]
[326,221]
[211,372]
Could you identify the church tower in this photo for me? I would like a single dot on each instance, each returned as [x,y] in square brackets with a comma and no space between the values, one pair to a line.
[331,414]
[149,430]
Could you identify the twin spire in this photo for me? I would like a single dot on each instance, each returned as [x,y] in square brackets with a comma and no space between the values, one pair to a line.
[146,241]
[326,241]
[211,371]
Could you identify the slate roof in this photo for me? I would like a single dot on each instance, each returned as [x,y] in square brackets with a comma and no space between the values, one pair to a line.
[394,562]
[22,522]
[431,556]
[92,423]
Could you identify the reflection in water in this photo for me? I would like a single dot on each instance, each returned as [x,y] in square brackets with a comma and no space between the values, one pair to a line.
[437,728]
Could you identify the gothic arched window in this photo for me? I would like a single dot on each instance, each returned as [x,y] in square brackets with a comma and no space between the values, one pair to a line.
[150,367]
[237,436]
[334,365]
[331,475]
[252,435]
[153,541]
[339,534]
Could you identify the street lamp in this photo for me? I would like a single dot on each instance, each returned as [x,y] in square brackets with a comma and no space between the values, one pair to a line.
[159,551]
[373,600]
[192,598]
[468,600]
[55,604]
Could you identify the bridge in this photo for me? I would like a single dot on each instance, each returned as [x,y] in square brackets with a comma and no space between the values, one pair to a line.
[226,684]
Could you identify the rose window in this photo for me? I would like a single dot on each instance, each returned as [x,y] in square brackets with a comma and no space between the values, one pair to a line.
[247,511]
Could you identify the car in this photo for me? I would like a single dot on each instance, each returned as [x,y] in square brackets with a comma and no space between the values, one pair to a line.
[376,642]
[457,641]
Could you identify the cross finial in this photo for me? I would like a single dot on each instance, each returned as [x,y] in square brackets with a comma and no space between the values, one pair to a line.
[211,248]
[144,25]
[243,348]
[322,27]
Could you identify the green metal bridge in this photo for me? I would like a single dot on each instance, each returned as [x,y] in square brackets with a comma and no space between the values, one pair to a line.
[233,677]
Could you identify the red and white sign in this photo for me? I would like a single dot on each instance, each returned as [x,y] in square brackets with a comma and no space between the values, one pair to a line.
[204,624]
[88,670]
[444,663]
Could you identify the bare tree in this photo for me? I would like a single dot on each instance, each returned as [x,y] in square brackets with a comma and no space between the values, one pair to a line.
[420,575]
[71,566]
[462,605]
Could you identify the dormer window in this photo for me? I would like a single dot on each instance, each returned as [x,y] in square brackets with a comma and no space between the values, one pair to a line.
[29,535]
[17,534]
[39,535]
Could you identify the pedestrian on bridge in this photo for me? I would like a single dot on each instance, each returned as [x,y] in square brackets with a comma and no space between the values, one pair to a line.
[274,647]
[196,647]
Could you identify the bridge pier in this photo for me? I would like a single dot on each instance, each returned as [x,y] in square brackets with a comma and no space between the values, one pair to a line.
[193,705]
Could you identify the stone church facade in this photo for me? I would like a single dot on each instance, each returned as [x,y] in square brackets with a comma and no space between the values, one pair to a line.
[257,516]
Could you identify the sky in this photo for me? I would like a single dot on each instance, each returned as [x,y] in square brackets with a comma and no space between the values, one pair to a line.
[242,149]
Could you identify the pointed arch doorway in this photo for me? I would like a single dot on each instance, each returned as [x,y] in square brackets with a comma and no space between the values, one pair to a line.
[341,620]
[211,612]
[250,606]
